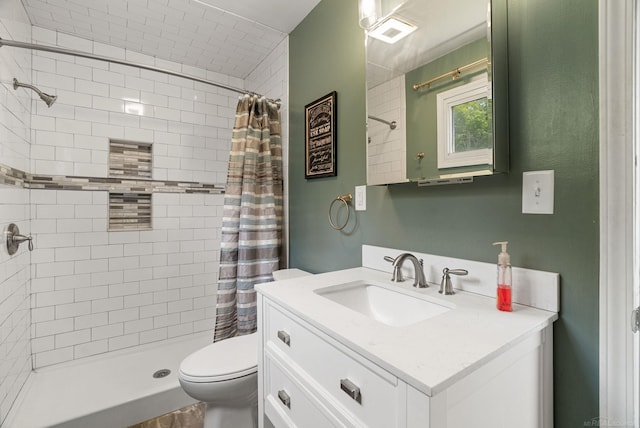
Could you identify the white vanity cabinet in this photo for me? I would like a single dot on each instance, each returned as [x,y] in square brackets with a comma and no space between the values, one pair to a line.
[319,368]
[307,379]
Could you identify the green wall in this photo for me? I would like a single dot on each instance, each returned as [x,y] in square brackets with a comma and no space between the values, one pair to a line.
[553,96]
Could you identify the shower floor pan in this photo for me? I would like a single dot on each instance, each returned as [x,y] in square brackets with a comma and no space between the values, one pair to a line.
[110,390]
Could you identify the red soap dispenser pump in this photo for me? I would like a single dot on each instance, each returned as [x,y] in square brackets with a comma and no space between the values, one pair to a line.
[504,279]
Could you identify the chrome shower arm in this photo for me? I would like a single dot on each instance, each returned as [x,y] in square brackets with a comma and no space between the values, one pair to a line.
[48,99]
[17,85]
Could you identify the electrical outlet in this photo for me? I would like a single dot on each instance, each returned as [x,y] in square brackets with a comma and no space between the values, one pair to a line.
[361,198]
[537,192]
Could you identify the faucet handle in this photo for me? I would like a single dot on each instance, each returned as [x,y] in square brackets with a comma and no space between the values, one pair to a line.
[446,287]
[389,259]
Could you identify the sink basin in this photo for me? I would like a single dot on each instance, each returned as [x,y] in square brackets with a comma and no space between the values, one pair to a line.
[389,305]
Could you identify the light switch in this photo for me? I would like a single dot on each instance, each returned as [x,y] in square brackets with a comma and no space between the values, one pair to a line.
[537,192]
[361,198]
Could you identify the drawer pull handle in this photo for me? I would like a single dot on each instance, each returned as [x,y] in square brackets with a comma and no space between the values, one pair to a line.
[351,389]
[284,397]
[284,336]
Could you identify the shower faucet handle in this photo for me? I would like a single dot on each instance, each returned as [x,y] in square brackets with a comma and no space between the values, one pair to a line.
[14,239]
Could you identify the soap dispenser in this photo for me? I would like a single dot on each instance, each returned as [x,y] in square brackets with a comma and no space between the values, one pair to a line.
[503,302]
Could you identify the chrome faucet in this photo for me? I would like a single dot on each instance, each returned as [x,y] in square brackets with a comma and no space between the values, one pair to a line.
[419,280]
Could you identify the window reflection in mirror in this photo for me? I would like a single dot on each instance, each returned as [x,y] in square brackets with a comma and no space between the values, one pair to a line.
[464,125]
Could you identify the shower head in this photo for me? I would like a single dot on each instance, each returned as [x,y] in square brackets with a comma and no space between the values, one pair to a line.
[48,99]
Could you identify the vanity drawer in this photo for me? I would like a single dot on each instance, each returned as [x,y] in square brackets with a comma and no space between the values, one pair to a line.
[354,384]
[287,405]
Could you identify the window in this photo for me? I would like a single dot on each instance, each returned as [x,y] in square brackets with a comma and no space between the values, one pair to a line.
[464,121]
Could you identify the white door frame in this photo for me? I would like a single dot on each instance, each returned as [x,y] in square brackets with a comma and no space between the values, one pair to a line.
[616,45]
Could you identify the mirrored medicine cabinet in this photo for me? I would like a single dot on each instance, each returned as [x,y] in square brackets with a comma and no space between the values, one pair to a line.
[437,97]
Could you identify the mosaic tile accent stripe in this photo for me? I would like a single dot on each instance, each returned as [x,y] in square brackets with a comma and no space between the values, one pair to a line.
[14,177]
[129,211]
[129,159]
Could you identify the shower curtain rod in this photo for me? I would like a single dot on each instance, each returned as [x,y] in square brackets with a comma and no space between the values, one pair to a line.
[54,49]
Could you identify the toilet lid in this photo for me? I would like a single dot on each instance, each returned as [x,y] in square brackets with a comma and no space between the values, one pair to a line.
[228,359]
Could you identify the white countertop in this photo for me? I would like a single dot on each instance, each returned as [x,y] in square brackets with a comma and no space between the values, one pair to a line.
[429,355]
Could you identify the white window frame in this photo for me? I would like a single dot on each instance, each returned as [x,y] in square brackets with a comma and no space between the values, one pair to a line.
[445,101]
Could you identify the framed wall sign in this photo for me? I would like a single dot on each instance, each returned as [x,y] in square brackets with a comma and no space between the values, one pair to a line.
[320,137]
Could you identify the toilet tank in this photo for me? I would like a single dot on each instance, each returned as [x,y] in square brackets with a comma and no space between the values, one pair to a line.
[282,274]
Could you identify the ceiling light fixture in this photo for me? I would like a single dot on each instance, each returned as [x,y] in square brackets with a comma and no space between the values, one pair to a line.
[368,13]
[391,30]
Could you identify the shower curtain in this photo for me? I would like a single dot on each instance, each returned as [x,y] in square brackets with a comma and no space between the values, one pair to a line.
[251,238]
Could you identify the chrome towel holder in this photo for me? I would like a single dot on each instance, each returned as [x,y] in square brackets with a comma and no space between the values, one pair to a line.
[345,199]
[14,239]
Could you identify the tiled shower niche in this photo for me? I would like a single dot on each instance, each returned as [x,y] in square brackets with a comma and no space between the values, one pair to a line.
[129,159]
[129,211]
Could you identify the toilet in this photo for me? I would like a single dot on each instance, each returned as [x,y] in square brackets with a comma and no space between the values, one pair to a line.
[224,375]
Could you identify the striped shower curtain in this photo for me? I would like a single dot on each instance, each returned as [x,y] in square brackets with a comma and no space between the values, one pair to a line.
[252,220]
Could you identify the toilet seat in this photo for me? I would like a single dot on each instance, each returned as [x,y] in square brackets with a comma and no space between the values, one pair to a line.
[228,359]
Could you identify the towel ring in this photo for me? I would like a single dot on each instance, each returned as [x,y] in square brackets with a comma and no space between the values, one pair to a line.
[345,199]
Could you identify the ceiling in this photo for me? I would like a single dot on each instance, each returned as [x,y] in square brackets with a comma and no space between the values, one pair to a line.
[226,36]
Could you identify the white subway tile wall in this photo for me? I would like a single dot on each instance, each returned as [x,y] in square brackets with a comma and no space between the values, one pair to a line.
[96,291]
[188,32]
[386,148]
[188,123]
[15,105]
[15,351]
[15,110]
[83,290]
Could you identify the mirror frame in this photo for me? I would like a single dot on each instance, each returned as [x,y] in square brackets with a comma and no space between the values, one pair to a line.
[500,105]
[500,82]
